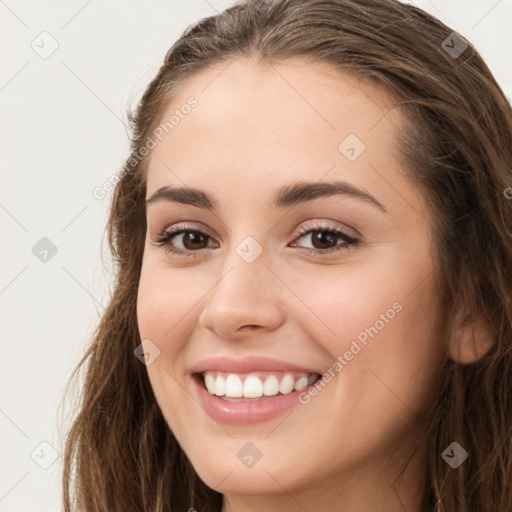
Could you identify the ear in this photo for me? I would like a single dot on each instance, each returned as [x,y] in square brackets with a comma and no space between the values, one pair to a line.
[472,338]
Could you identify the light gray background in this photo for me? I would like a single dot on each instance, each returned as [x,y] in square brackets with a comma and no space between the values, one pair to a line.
[63,134]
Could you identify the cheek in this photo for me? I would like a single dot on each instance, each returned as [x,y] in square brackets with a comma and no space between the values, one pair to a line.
[162,308]
[388,358]
[380,325]
[164,300]
[341,304]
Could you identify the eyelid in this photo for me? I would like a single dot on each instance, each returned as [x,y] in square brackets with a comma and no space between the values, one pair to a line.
[324,224]
[179,226]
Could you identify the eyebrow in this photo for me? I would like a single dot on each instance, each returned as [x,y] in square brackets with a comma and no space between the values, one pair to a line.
[288,195]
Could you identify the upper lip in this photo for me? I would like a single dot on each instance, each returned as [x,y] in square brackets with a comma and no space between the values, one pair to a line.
[248,365]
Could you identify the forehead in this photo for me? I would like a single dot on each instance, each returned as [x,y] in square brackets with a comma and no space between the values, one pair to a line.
[254,127]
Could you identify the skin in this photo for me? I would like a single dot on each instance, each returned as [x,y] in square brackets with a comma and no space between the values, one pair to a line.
[255,129]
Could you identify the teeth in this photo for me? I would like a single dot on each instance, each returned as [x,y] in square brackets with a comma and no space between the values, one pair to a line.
[209,382]
[271,386]
[301,383]
[287,384]
[311,379]
[232,386]
[219,386]
[253,387]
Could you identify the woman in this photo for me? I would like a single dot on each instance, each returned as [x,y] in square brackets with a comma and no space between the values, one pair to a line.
[313,305]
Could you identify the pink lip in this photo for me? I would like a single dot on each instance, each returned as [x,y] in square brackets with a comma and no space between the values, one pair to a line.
[244,413]
[248,365]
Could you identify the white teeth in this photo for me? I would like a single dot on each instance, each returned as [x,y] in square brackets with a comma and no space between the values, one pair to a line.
[253,387]
[287,384]
[219,386]
[301,383]
[271,386]
[233,387]
[209,382]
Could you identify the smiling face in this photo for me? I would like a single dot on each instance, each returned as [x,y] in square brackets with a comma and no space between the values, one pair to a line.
[251,284]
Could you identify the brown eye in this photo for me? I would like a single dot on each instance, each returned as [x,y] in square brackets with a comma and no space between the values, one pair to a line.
[189,242]
[325,239]
[193,239]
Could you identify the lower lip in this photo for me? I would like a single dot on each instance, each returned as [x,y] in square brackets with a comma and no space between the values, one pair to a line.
[245,413]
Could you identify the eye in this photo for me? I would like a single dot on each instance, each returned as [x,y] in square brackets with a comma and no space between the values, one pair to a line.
[192,240]
[325,239]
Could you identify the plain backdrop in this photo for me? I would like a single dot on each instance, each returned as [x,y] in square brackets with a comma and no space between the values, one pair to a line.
[68,73]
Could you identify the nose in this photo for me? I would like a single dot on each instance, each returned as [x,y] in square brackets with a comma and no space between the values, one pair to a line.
[245,297]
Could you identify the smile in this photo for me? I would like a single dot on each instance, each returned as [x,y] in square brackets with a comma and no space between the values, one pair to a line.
[248,410]
[255,386]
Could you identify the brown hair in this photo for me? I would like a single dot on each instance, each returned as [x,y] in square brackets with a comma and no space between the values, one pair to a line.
[121,455]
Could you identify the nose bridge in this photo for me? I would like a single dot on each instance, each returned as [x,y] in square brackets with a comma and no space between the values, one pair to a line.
[245,293]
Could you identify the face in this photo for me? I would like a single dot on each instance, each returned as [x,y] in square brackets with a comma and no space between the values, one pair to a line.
[307,253]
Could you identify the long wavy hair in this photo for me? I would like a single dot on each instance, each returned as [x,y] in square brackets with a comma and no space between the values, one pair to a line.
[120,454]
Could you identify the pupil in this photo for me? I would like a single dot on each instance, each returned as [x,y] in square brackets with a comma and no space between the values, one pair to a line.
[325,237]
[192,237]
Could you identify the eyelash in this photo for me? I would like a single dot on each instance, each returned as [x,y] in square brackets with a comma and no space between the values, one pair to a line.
[163,239]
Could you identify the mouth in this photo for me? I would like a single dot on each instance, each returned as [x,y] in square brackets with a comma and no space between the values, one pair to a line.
[246,399]
[250,390]
[254,386]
